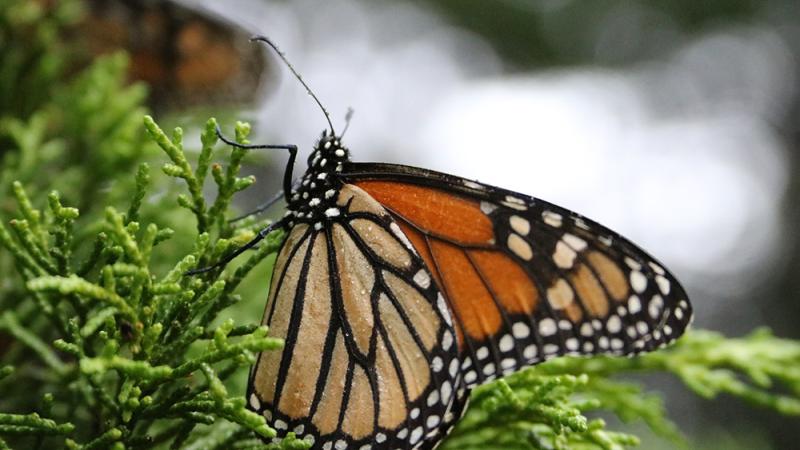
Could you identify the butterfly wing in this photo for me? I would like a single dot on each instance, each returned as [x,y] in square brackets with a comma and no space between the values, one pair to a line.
[370,353]
[526,280]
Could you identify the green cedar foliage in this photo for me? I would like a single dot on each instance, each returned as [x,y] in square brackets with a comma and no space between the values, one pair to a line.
[104,343]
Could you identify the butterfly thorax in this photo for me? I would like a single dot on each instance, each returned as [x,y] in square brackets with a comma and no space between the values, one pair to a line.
[314,199]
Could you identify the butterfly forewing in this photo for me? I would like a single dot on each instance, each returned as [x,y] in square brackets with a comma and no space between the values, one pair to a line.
[370,354]
[526,280]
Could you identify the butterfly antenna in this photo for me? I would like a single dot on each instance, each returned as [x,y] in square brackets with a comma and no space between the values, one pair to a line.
[347,118]
[266,40]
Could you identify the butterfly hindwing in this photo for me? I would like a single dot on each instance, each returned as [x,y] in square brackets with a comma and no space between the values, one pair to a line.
[370,354]
[527,280]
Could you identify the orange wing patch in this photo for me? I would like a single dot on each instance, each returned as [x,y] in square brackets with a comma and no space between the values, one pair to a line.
[433,210]
[468,278]
[590,291]
[610,274]
[467,293]
[511,285]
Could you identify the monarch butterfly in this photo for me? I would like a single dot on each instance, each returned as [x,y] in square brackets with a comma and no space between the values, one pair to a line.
[398,289]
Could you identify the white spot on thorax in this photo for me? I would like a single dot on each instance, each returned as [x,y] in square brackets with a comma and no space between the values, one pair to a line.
[332,212]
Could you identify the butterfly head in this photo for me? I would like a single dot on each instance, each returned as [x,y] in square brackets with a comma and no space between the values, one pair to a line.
[329,154]
[314,200]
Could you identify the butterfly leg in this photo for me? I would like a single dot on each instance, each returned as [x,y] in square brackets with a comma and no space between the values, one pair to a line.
[287,174]
[260,208]
[228,258]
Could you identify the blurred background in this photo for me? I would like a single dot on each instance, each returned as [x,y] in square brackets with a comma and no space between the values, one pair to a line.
[674,122]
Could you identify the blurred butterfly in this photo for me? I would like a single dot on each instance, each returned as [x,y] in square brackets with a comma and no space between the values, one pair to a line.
[187,55]
[399,289]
